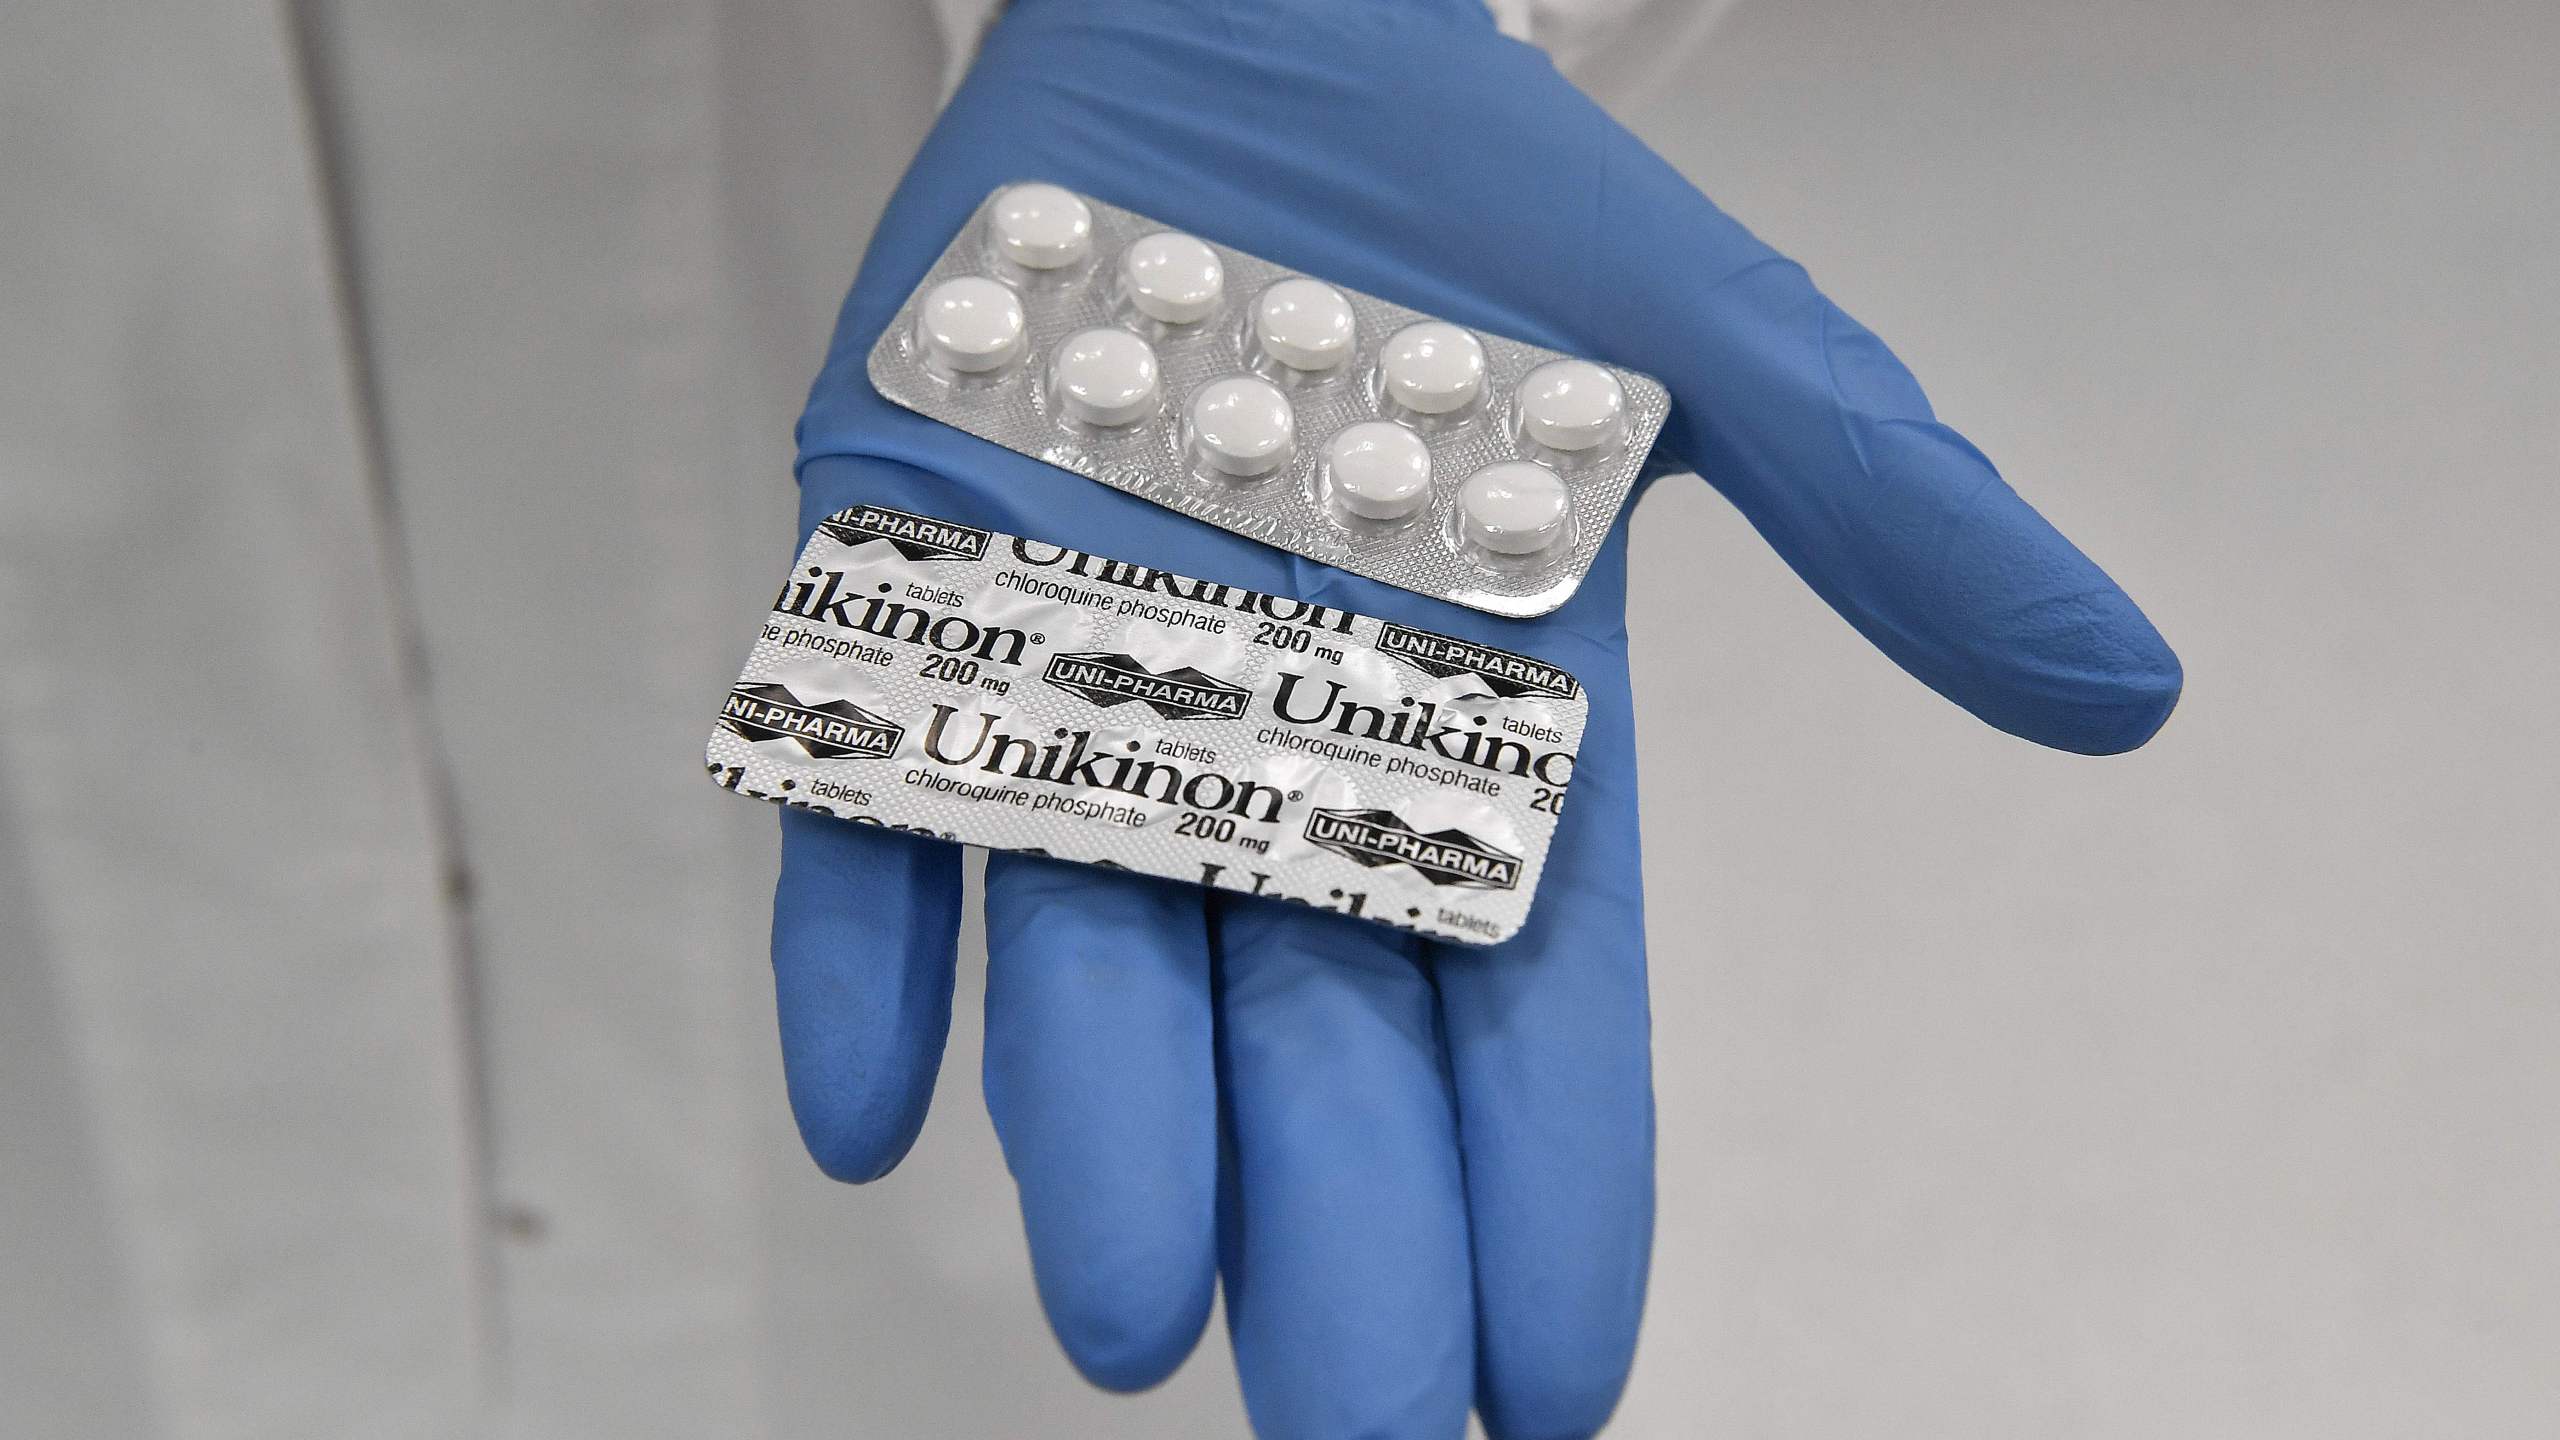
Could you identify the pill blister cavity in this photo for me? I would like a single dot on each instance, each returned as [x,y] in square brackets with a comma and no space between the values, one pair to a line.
[1241,427]
[1304,325]
[1376,474]
[970,326]
[1512,509]
[1106,378]
[1173,278]
[1572,407]
[1041,227]
[1431,369]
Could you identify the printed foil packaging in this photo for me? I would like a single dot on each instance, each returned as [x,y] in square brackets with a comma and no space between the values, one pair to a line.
[989,689]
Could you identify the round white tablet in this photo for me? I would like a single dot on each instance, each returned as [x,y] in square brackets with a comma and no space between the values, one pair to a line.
[1572,405]
[1105,377]
[1513,508]
[1304,324]
[1378,470]
[1432,368]
[970,325]
[1041,227]
[1242,426]
[1172,278]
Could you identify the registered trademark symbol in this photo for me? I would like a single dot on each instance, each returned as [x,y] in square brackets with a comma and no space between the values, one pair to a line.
[1039,639]
[1297,794]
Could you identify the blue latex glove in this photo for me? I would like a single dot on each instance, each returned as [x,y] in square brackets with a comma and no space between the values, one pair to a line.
[1191,1085]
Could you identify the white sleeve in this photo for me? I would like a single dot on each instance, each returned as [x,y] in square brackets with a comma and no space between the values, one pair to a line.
[1619,50]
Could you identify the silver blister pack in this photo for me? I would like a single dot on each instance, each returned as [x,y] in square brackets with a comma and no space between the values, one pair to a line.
[945,680]
[1448,461]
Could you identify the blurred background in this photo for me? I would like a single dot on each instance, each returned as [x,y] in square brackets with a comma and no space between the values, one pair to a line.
[388,385]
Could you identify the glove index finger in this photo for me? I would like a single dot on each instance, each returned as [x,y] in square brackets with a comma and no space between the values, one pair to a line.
[1550,1056]
[1101,1080]
[1825,442]
[866,926]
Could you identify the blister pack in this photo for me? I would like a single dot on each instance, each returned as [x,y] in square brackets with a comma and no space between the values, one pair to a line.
[951,681]
[1336,425]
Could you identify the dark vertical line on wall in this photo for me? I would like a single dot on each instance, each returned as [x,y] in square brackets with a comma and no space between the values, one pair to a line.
[321,99]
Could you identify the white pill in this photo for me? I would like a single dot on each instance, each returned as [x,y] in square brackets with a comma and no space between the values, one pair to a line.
[1041,227]
[1242,426]
[970,325]
[1173,278]
[1105,377]
[1379,470]
[1432,368]
[1572,405]
[1304,324]
[1513,508]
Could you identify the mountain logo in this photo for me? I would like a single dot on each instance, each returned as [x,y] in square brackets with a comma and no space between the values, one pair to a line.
[833,730]
[1109,678]
[1510,676]
[918,537]
[1376,838]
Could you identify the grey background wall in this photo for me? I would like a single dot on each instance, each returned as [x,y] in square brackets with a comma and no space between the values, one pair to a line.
[2209,1090]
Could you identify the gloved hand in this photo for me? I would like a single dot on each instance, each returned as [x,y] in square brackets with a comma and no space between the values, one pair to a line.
[1424,1171]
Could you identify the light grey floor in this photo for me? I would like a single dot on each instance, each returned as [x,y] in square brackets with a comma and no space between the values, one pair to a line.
[2209,1091]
